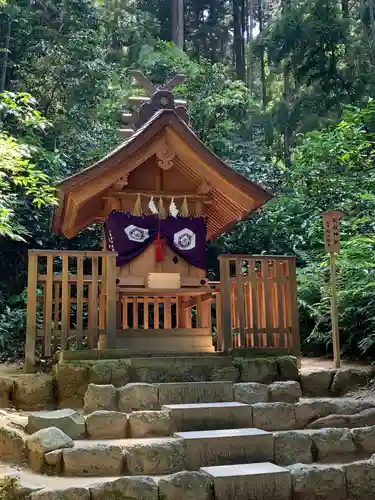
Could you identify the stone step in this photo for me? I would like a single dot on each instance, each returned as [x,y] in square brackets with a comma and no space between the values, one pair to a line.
[195,392]
[260,481]
[50,451]
[209,416]
[226,447]
[145,396]
[155,456]
[346,481]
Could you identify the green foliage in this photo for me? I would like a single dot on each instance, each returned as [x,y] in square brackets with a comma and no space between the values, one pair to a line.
[299,122]
[19,176]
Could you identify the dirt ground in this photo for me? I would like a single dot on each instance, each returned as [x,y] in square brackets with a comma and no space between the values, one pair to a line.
[316,364]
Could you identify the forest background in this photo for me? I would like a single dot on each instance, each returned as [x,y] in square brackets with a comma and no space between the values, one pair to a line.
[281,90]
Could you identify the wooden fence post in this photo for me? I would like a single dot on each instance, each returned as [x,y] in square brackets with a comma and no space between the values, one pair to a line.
[32,282]
[225,305]
[294,308]
[111,300]
[240,301]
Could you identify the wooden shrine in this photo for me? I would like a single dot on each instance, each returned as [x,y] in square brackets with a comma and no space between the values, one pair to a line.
[145,291]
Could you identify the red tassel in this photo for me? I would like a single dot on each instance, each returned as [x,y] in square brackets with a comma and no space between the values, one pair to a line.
[158,249]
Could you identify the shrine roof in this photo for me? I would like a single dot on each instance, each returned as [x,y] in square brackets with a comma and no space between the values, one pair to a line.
[234,196]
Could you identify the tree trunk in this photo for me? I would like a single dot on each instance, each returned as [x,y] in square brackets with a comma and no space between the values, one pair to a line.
[287,158]
[250,72]
[238,41]
[345,8]
[6,57]
[178,23]
[372,22]
[262,56]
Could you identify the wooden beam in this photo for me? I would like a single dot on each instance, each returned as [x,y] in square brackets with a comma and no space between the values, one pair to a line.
[126,132]
[127,118]
[193,302]
[111,301]
[30,354]
[173,82]
[143,81]
[130,192]
[225,304]
[138,99]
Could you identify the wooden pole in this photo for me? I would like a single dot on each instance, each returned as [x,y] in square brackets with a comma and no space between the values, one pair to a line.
[331,224]
[334,312]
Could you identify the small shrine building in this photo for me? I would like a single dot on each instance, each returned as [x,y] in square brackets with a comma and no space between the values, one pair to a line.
[160,195]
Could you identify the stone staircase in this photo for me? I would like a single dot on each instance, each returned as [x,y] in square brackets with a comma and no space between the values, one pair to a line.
[207,440]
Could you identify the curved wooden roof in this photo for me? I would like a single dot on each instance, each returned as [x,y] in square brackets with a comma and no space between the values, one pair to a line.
[233,196]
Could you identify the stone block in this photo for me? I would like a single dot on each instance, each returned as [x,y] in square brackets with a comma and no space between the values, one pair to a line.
[71,384]
[364,439]
[251,392]
[285,392]
[309,410]
[226,373]
[6,388]
[120,372]
[209,416]
[226,447]
[103,424]
[360,480]
[292,447]
[100,397]
[333,443]
[54,462]
[100,373]
[361,419]
[262,481]
[187,486]
[195,392]
[93,459]
[318,482]
[149,423]
[33,392]
[274,416]
[350,405]
[178,369]
[288,368]
[262,370]
[12,445]
[349,379]
[137,396]
[74,493]
[129,488]
[69,421]
[157,457]
[44,441]
[318,383]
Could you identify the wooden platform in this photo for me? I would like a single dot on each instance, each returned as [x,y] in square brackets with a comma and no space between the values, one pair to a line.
[187,340]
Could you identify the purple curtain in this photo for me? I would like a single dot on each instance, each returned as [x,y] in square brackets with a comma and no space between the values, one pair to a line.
[129,235]
[186,236]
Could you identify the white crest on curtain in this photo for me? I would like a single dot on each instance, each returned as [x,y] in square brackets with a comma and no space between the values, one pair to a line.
[137,234]
[184,239]
[173,210]
[152,206]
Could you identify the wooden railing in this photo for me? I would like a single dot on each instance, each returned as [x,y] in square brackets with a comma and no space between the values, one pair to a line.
[258,302]
[73,301]
[71,298]
[163,313]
